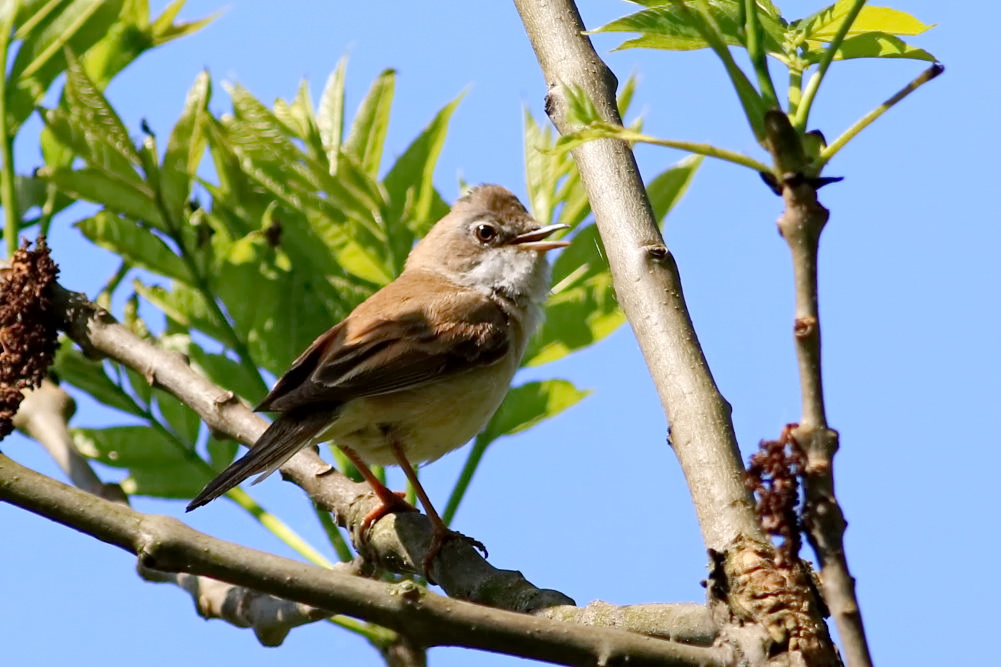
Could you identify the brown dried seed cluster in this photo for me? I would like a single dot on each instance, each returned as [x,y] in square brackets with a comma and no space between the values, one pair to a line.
[28,327]
[773,476]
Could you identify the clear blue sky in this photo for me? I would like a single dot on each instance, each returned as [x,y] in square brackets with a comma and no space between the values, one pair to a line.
[593,503]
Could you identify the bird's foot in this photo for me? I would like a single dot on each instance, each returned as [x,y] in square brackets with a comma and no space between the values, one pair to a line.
[391,502]
[439,536]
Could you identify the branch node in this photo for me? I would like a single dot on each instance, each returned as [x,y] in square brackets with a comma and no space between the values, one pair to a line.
[804,326]
[657,252]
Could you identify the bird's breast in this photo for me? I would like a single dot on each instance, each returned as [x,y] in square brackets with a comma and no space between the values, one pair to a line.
[427,421]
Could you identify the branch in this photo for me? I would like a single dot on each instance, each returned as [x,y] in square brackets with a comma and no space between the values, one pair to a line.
[758,606]
[166,544]
[43,415]
[801,224]
[270,617]
[646,279]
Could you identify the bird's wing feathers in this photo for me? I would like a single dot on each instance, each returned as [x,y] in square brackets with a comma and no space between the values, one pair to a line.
[468,331]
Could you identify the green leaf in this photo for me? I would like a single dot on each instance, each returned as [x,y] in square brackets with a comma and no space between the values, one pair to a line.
[667,25]
[227,373]
[179,481]
[94,185]
[183,421]
[185,305]
[72,367]
[133,447]
[46,30]
[91,111]
[141,386]
[668,187]
[135,243]
[824,25]
[410,187]
[875,45]
[330,113]
[184,149]
[286,313]
[368,129]
[222,452]
[528,404]
[577,317]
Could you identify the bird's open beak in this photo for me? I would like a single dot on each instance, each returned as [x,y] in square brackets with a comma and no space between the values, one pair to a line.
[535,239]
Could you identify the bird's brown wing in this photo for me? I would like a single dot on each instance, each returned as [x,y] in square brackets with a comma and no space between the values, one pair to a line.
[436,338]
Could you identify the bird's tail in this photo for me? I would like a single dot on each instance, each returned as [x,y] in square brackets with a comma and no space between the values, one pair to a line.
[285,436]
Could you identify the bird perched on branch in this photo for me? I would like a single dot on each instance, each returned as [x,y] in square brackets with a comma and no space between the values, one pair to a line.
[418,368]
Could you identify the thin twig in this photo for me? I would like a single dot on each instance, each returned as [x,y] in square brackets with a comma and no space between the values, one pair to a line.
[813,85]
[866,120]
[801,224]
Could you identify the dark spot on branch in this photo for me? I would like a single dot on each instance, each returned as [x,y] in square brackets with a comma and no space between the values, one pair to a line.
[28,326]
[549,104]
[657,251]
[804,326]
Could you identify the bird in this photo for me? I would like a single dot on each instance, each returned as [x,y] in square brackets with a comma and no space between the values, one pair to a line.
[418,368]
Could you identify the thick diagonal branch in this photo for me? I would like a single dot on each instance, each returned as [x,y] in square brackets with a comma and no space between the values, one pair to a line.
[166,544]
[759,607]
[646,277]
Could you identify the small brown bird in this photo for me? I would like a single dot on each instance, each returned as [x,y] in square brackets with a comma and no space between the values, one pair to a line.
[418,368]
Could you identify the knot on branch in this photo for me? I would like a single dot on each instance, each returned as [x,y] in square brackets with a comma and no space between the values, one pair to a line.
[28,326]
[781,599]
[773,475]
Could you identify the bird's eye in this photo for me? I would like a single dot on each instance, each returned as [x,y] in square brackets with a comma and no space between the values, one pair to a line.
[485,233]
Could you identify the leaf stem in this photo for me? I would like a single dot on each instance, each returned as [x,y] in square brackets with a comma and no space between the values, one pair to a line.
[619,132]
[795,90]
[279,528]
[756,51]
[803,112]
[465,477]
[868,119]
[376,634]
[8,191]
[333,534]
[750,100]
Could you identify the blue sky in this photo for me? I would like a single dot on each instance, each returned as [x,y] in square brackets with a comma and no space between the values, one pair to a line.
[593,503]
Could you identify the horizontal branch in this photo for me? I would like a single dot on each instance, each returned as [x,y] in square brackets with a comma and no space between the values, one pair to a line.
[166,544]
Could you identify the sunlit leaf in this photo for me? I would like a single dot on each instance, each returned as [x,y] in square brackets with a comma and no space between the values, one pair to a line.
[134,447]
[138,245]
[410,187]
[330,113]
[185,149]
[528,404]
[89,375]
[674,27]
[367,136]
[668,187]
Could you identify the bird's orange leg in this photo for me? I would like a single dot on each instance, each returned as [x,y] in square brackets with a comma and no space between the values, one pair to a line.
[391,501]
[440,532]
